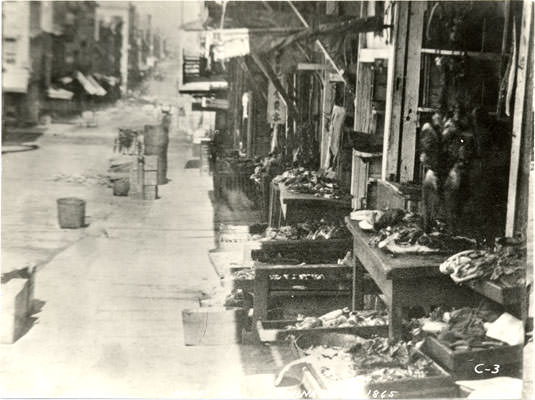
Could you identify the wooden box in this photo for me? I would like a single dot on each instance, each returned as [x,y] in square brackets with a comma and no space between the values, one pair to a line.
[394,195]
[275,330]
[299,251]
[497,293]
[462,364]
[15,307]
[439,385]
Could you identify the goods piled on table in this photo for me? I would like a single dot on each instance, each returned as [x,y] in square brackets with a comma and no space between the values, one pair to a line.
[308,231]
[301,180]
[342,318]
[401,232]
[507,267]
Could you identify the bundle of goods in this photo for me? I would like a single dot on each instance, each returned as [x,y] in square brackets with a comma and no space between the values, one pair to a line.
[239,298]
[341,319]
[244,274]
[301,180]
[506,266]
[401,232]
[376,360]
[234,165]
[309,231]
[268,166]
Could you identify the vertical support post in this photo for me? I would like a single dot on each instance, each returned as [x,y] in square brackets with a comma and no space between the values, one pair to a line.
[410,108]
[518,116]
[395,90]
[250,125]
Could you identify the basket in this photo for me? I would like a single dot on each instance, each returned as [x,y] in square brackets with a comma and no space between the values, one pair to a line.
[71,212]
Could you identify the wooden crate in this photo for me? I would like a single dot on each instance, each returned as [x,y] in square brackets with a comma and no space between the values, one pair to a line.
[307,251]
[497,293]
[275,330]
[440,385]
[461,364]
[392,195]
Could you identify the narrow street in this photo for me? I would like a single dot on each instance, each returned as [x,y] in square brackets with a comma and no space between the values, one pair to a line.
[111,295]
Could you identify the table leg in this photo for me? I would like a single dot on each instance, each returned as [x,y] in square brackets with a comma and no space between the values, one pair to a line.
[358,285]
[261,294]
[396,305]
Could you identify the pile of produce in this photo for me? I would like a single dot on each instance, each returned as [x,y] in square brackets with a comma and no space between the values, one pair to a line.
[309,231]
[402,233]
[301,180]
[244,274]
[376,359]
[342,318]
[249,274]
[505,267]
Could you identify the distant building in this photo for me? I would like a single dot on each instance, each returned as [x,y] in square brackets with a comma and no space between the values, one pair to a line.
[114,21]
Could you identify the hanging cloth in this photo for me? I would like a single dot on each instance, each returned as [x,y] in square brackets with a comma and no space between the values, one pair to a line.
[337,123]
[275,138]
[245,106]
[512,74]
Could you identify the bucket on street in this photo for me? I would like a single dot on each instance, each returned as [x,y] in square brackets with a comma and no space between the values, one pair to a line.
[71,212]
[121,187]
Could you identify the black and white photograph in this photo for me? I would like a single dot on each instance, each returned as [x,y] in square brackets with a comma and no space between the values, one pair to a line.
[278,199]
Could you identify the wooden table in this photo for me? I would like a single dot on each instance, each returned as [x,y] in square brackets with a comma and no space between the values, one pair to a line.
[406,281]
[263,285]
[298,207]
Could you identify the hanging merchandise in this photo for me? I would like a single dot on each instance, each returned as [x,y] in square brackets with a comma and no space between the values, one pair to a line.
[337,123]
[245,105]
[275,138]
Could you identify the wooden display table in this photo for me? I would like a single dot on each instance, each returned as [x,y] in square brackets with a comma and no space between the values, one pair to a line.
[406,281]
[299,207]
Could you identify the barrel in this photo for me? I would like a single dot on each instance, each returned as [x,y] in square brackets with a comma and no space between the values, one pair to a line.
[156,141]
[71,212]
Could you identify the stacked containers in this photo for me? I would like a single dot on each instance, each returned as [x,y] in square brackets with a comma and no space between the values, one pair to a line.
[156,141]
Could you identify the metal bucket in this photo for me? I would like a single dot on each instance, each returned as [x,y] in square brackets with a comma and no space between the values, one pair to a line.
[71,212]
[121,187]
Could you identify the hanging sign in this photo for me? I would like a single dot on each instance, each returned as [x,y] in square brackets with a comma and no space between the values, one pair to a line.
[276,107]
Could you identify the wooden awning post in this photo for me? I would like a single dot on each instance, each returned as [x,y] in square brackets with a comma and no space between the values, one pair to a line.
[518,117]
